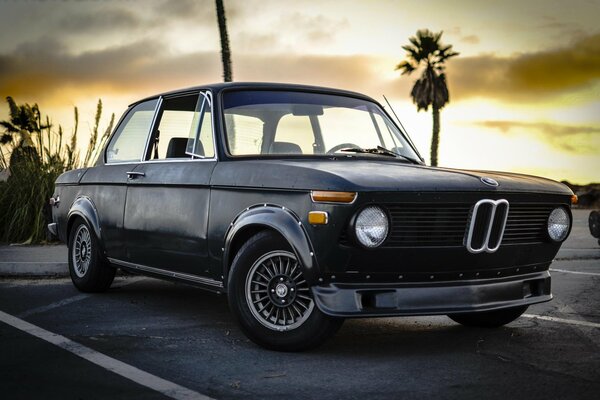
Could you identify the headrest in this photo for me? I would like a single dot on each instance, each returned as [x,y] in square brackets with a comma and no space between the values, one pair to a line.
[284,148]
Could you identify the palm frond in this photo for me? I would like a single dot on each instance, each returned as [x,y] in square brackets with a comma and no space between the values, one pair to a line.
[406,67]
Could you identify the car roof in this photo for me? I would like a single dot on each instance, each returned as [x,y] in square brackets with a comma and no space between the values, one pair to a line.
[217,87]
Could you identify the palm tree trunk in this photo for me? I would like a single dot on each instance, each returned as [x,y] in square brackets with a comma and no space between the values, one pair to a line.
[225,53]
[435,137]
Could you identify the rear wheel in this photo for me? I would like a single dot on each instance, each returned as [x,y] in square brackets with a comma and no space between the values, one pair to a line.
[489,319]
[89,271]
[272,301]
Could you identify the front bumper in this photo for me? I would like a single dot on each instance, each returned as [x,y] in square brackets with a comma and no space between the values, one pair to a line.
[371,300]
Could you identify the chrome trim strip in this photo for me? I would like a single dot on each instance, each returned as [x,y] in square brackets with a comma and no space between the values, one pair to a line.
[158,271]
[485,245]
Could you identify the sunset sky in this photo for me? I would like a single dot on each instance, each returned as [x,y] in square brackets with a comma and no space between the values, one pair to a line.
[525,90]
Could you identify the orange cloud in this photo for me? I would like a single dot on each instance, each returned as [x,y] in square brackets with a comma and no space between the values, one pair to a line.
[569,138]
[46,67]
[528,75]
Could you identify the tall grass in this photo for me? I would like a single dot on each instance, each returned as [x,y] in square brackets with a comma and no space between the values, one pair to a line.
[35,153]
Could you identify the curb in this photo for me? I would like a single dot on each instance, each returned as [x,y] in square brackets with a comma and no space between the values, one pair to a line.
[33,269]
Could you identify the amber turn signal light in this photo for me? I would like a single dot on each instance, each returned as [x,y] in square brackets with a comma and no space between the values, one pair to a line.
[325,196]
[318,218]
[574,199]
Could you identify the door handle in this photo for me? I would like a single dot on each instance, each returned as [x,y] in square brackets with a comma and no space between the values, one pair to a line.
[134,174]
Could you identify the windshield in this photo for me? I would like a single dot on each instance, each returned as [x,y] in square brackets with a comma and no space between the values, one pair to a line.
[302,123]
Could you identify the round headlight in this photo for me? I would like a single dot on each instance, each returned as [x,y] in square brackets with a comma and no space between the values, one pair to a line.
[371,226]
[559,223]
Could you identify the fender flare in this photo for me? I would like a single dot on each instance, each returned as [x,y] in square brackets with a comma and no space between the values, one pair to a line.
[281,220]
[84,207]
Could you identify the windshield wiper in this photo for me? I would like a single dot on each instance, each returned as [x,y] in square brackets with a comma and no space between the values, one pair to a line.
[380,151]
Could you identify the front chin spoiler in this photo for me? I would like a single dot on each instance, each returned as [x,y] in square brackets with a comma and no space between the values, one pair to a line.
[382,300]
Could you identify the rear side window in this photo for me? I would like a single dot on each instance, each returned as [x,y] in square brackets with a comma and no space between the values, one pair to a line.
[129,141]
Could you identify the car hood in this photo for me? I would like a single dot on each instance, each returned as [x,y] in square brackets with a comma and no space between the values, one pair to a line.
[372,175]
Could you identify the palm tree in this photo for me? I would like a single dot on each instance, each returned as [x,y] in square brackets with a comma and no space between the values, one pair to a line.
[430,89]
[225,53]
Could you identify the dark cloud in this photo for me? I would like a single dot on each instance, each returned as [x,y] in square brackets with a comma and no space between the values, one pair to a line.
[108,19]
[192,9]
[559,29]
[528,75]
[46,67]
[571,138]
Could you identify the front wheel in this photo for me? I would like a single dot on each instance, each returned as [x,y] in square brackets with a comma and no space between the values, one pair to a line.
[272,301]
[489,319]
[89,271]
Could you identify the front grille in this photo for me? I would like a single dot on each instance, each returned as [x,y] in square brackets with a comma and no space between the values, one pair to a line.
[527,223]
[427,224]
[446,224]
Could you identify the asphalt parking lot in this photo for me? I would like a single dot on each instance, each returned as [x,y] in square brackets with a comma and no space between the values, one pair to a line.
[174,340]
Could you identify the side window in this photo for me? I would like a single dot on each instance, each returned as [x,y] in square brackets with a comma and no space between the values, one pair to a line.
[244,134]
[178,130]
[294,135]
[129,141]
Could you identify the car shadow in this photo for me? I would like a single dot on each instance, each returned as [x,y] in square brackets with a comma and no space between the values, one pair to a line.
[364,337]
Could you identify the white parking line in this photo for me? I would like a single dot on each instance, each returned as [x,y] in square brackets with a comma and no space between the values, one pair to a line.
[132,373]
[566,271]
[563,320]
[51,306]
[73,299]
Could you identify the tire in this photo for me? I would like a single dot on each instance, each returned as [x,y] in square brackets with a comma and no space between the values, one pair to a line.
[594,224]
[89,271]
[270,299]
[489,319]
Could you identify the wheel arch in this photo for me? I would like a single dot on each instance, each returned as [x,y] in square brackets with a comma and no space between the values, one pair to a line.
[275,218]
[84,208]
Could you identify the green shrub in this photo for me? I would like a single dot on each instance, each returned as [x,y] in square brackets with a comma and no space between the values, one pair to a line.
[35,154]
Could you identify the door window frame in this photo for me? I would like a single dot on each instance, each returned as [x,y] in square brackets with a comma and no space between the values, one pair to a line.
[207,95]
[204,92]
[123,118]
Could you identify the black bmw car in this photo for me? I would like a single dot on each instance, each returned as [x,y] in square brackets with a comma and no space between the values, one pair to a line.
[306,206]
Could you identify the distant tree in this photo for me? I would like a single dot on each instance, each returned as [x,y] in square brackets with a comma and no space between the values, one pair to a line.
[225,52]
[426,50]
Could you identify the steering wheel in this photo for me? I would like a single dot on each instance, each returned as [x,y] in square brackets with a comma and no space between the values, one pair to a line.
[342,146]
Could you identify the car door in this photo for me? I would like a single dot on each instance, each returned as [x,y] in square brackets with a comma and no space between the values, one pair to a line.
[106,183]
[166,211]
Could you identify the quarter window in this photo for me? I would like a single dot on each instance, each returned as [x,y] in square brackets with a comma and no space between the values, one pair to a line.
[129,141]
